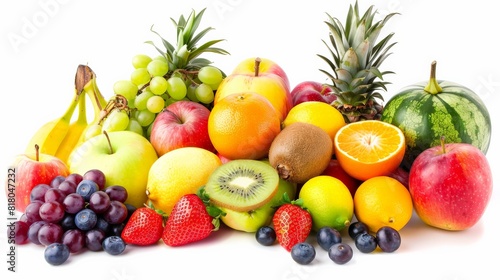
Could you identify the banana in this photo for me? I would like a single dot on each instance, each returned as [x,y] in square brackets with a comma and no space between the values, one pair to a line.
[50,135]
[98,103]
[75,131]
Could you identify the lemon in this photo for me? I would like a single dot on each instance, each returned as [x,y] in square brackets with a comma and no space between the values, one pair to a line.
[179,172]
[383,201]
[317,113]
[328,200]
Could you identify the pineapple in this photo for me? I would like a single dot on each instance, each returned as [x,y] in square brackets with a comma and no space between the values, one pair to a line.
[184,57]
[357,80]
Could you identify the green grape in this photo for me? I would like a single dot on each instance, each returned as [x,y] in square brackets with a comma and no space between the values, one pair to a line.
[140,76]
[215,86]
[135,126]
[158,85]
[191,95]
[210,75]
[162,58]
[131,103]
[145,117]
[157,67]
[141,100]
[117,120]
[140,61]
[204,93]
[176,88]
[156,104]
[92,130]
[125,88]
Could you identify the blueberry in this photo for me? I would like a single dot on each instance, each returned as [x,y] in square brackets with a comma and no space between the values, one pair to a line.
[303,253]
[365,242]
[327,237]
[56,253]
[86,188]
[113,245]
[340,253]
[265,235]
[356,228]
[85,219]
[388,239]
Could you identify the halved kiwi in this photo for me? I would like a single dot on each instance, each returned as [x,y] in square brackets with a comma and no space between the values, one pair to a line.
[242,184]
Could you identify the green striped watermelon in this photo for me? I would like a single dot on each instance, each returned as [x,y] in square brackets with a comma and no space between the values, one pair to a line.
[428,110]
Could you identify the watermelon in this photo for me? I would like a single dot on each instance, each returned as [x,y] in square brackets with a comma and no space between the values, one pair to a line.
[426,111]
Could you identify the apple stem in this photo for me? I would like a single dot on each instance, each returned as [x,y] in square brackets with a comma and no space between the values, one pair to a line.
[109,142]
[257,66]
[37,152]
[443,144]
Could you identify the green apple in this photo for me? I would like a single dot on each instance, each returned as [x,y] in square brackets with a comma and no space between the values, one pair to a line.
[251,221]
[124,157]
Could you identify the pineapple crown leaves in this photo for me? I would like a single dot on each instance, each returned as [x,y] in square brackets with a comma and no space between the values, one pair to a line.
[185,54]
[356,54]
[215,212]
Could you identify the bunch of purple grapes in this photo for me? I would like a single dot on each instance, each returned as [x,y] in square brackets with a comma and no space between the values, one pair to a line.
[76,212]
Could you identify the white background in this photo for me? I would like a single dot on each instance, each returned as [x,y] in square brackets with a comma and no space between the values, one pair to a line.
[42,42]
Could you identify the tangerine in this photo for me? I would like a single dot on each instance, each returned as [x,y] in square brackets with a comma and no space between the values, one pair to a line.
[243,126]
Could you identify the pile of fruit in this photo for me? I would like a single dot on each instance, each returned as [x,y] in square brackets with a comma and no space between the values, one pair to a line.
[182,148]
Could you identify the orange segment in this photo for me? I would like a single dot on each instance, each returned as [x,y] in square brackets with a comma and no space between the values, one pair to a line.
[370,148]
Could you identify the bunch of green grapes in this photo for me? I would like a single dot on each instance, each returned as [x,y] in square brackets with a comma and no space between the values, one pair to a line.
[153,86]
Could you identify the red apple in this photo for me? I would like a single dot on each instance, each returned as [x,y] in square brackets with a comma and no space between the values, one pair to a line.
[401,175]
[181,124]
[312,91]
[335,170]
[31,170]
[451,185]
[261,76]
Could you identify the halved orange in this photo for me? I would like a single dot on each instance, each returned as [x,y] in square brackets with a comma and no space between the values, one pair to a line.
[370,148]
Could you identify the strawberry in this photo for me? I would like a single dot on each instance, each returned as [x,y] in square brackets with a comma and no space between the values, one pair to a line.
[292,223]
[192,219]
[144,227]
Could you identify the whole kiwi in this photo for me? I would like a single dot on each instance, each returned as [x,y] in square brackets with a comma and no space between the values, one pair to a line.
[300,151]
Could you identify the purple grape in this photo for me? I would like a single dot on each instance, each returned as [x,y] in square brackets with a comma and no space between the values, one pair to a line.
[67,187]
[38,192]
[33,231]
[32,211]
[99,202]
[50,233]
[117,192]
[75,178]
[356,228]
[388,239]
[57,180]
[68,222]
[73,203]
[93,239]
[340,253]
[52,211]
[116,213]
[74,239]
[96,176]
[54,195]
[19,233]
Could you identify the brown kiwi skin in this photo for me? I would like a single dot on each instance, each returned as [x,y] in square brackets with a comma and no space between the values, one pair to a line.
[300,151]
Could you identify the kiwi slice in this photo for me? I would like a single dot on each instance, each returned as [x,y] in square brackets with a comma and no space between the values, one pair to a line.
[242,184]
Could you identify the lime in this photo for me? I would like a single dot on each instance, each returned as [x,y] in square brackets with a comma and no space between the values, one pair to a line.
[329,201]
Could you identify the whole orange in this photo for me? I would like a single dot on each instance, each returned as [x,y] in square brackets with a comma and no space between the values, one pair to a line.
[243,126]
